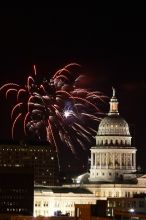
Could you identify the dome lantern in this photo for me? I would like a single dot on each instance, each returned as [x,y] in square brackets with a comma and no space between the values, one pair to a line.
[113,104]
[113,124]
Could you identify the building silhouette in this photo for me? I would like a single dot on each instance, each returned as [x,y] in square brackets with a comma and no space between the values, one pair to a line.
[41,158]
[16,190]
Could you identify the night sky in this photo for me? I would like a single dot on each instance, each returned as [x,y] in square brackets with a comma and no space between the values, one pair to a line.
[112,50]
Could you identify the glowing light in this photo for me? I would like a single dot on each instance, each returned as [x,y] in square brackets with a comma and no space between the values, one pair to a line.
[67,113]
[34,67]
[131,210]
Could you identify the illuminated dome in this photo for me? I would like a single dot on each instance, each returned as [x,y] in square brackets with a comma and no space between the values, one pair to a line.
[113,124]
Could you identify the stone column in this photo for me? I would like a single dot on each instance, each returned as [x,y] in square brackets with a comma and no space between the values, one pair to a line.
[100,161]
[106,160]
[125,162]
[120,160]
[113,156]
[91,159]
[134,160]
[95,160]
[131,160]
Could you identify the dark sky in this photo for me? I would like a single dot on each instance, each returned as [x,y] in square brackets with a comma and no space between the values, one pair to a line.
[112,49]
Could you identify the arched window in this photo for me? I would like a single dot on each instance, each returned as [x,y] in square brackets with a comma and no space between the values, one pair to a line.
[116,142]
[111,143]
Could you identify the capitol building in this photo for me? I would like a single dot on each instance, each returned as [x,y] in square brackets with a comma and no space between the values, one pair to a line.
[112,171]
[113,158]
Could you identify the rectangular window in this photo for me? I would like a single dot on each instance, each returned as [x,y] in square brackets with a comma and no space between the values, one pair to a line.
[141,204]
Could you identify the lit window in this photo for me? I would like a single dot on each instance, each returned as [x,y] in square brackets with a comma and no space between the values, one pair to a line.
[97,193]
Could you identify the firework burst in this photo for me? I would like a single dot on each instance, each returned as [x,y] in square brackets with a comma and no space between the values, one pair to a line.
[57,109]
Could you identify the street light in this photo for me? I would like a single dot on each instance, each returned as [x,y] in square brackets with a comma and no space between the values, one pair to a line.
[131,210]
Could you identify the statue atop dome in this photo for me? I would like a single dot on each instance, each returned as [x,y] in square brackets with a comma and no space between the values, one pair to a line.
[114,91]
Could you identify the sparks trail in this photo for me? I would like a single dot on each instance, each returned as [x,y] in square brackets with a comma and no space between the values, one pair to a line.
[56,109]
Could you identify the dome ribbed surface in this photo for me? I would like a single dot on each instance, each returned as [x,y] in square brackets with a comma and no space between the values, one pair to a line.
[113,125]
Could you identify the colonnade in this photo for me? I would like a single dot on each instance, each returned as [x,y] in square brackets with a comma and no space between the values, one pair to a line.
[113,160]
